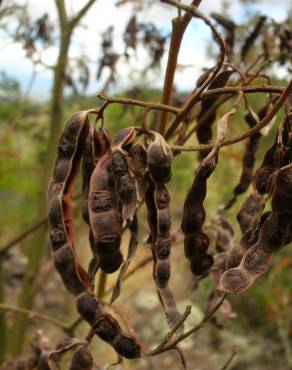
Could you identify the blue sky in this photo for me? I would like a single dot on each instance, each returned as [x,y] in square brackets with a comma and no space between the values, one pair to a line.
[103,13]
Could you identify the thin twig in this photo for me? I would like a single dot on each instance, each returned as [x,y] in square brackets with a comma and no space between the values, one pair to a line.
[229,360]
[278,104]
[179,26]
[29,230]
[196,328]
[129,273]
[33,315]
[140,103]
[101,284]
[245,89]
[170,334]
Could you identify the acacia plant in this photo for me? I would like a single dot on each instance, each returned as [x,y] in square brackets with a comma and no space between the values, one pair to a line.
[123,171]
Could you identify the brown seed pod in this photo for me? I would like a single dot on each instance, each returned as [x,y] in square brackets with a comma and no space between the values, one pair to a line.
[159,158]
[273,235]
[196,241]
[73,275]
[277,155]
[104,215]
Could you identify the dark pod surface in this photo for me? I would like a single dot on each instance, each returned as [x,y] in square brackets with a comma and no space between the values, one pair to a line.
[74,277]
[159,157]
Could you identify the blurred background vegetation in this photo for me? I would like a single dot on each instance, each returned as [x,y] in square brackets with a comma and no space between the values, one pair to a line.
[261,326]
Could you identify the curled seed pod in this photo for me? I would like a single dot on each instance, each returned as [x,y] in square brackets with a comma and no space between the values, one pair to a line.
[81,360]
[159,158]
[59,202]
[273,235]
[75,278]
[204,131]
[105,219]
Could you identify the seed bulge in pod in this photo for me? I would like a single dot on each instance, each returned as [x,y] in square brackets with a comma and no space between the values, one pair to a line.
[127,347]
[193,220]
[162,273]
[256,260]
[200,264]
[234,280]
[119,163]
[57,237]
[196,244]
[126,188]
[162,197]
[159,162]
[107,244]
[163,246]
[262,179]
[110,263]
[88,307]
[65,264]
[101,201]
[66,146]
[106,328]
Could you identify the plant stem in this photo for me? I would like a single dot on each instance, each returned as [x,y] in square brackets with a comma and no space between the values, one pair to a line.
[179,25]
[32,314]
[3,333]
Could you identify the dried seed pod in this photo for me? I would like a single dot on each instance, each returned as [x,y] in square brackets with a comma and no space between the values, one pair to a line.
[196,241]
[106,327]
[276,156]
[73,275]
[275,232]
[104,215]
[159,158]
[96,145]
[138,155]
